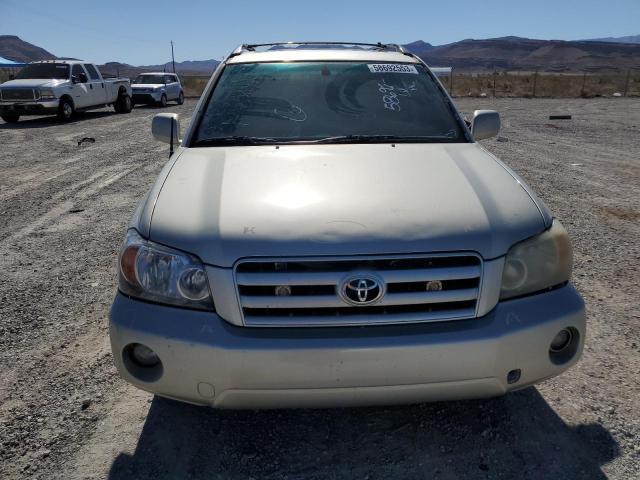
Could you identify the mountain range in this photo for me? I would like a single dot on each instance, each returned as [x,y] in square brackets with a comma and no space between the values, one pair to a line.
[516,53]
[16,49]
[505,53]
[627,39]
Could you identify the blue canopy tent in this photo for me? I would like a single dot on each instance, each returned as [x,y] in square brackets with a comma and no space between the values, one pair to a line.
[8,68]
[6,63]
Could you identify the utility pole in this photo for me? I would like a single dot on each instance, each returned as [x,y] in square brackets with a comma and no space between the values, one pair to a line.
[494,83]
[626,82]
[173,62]
[584,81]
[535,81]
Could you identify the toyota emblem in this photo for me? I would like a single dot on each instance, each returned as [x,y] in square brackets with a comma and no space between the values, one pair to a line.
[361,289]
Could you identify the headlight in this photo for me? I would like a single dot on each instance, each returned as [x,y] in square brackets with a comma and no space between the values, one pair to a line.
[47,95]
[539,263]
[160,274]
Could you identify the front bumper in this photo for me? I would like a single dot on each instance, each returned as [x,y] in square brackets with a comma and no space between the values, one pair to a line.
[207,361]
[147,97]
[29,108]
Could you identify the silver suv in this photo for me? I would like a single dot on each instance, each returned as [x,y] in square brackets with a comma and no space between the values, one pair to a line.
[330,233]
[157,88]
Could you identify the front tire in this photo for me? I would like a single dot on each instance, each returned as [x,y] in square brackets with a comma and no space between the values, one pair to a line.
[10,118]
[66,110]
[163,101]
[181,98]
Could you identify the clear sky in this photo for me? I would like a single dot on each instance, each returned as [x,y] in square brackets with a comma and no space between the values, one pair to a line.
[138,32]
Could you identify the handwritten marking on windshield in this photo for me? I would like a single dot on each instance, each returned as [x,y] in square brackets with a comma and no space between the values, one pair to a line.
[392,92]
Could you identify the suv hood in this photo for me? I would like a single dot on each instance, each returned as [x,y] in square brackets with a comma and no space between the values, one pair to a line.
[226,203]
[148,85]
[33,83]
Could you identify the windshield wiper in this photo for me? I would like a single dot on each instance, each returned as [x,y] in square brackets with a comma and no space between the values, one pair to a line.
[382,139]
[249,140]
[235,140]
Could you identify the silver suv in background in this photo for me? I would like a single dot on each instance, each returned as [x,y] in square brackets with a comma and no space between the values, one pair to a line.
[330,232]
[157,88]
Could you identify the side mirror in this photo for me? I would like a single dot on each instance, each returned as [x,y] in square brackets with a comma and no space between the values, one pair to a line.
[75,79]
[12,77]
[83,77]
[163,125]
[485,124]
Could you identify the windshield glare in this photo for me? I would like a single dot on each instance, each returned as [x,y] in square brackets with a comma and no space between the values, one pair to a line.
[58,71]
[312,101]
[149,79]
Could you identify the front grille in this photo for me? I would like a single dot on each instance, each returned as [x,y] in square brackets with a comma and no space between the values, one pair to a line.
[9,94]
[312,290]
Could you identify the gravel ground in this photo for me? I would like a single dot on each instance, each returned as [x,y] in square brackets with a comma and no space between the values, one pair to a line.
[64,413]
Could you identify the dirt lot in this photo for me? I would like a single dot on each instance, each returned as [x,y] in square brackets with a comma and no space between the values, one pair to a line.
[64,413]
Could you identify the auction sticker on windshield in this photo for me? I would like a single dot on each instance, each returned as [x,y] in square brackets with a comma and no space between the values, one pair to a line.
[391,68]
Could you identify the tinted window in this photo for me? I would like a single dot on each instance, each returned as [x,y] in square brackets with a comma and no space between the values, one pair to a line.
[58,71]
[149,79]
[316,101]
[169,79]
[93,73]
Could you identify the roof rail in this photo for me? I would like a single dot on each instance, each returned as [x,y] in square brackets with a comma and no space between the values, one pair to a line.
[251,47]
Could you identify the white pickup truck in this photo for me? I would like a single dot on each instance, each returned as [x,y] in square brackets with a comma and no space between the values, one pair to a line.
[61,87]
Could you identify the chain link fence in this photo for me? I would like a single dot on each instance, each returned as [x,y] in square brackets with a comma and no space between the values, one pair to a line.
[494,84]
[511,84]
[543,84]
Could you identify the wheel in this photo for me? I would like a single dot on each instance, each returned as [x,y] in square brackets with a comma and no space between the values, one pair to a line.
[163,100]
[65,110]
[123,104]
[181,98]
[10,117]
[126,105]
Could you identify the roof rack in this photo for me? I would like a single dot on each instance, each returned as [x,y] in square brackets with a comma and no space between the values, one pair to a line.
[380,46]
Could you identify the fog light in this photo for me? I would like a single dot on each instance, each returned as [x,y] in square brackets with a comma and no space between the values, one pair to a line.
[561,340]
[144,356]
[513,376]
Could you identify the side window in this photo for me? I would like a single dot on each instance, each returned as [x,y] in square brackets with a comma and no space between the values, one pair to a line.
[77,69]
[176,78]
[168,79]
[93,73]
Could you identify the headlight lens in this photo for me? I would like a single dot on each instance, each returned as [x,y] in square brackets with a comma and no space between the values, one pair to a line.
[160,274]
[538,263]
[47,95]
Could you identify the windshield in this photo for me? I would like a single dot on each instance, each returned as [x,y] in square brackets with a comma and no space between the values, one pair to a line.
[326,102]
[59,71]
[149,79]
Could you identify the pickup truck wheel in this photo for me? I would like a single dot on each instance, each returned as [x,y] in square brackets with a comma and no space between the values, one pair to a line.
[181,98]
[125,105]
[65,110]
[11,118]
[163,100]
